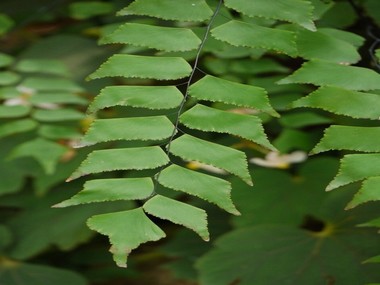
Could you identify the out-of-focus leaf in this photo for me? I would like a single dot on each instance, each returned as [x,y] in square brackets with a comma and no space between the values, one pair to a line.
[86,9]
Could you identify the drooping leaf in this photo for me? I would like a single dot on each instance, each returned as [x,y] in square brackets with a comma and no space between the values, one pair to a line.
[46,153]
[126,231]
[317,45]
[232,160]
[151,67]
[122,159]
[250,35]
[86,9]
[15,273]
[368,192]
[179,213]
[151,97]
[356,104]
[356,167]
[350,138]
[160,38]
[140,128]
[102,190]
[46,66]
[324,73]
[215,89]
[250,255]
[181,10]
[209,188]
[14,111]
[209,119]
[57,115]
[294,11]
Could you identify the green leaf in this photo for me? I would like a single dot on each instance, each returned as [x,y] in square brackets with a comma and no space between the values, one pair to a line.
[212,120]
[206,187]
[317,45]
[6,24]
[214,89]
[151,67]
[102,190]
[14,111]
[181,10]
[368,192]
[250,255]
[250,35]
[51,84]
[140,128]
[87,9]
[5,238]
[121,159]
[8,78]
[47,153]
[160,38]
[323,73]
[57,115]
[151,97]
[57,98]
[303,119]
[16,127]
[356,104]
[126,231]
[179,213]
[55,132]
[372,223]
[356,167]
[232,160]
[350,138]
[47,66]
[348,37]
[294,11]
[5,59]
[14,273]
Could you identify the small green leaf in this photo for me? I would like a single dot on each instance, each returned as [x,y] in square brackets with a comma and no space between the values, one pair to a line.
[323,73]
[229,159]
[57,98]
[212,120]
[303,119]
[250,35]
[102,190]
[6,24]
[140,128]
[16,127]
[121,159]
[348,37]
[206,187]
[179,213]
[47,66]
[368,192]
[151,97]
[51,84]
[87,9]
[5,59]
[57,115]
[349,138]
[356,104]
[180,10]
[126,231]
[8,78]
[317,45]
[356,167]
[215,89]
[160,38]
[14,111]
[151,67]
[47,153]
[55,132]
[295,11]
[372,223]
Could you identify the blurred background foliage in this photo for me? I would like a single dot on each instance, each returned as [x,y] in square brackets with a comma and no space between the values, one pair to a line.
[48,48]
